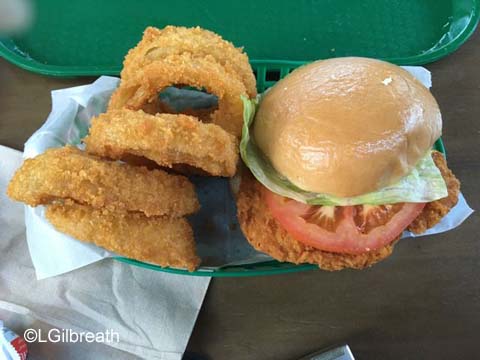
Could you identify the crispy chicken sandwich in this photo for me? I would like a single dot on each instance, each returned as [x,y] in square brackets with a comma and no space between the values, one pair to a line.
[342,161]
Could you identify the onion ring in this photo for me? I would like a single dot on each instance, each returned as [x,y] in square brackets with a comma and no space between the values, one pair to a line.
[167,139]
[162,240]
[66,173]
[158,44]
[185,69]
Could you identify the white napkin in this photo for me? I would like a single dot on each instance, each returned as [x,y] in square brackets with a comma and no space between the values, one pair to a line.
[153,312]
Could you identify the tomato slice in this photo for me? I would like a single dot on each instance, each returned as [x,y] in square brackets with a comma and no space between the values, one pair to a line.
[342,229]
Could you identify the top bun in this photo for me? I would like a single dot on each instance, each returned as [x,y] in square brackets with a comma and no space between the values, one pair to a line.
[347,126]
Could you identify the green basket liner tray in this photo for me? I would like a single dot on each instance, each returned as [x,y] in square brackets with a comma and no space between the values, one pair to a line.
[92,38]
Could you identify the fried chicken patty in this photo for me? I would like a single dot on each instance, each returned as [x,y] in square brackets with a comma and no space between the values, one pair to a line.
[265,234]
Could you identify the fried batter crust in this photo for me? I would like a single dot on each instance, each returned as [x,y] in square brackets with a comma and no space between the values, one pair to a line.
[157,44]
[266,235]
[160,240]
[68,173]
[167,139]
[185,69]
[434,211]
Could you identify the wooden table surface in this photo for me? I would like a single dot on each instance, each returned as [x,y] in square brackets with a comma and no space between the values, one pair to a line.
[421,303]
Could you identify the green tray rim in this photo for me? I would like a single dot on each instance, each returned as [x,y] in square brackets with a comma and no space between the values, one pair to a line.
[270,267]
[32,65]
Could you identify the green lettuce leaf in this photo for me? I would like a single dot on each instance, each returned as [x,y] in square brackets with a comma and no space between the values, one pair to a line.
[423,184]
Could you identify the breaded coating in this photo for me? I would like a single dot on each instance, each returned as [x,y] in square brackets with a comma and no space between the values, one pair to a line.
[166,139]
[163,241]
[434,211]
[68,173]
[156,44]
[265,234]
[185,69]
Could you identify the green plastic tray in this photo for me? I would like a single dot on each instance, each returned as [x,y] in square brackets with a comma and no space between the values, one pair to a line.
[91,38]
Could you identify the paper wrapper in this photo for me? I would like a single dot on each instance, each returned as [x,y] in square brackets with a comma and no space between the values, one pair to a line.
[219,238]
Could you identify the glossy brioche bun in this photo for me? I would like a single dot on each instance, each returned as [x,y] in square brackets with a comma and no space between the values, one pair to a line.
[347,126]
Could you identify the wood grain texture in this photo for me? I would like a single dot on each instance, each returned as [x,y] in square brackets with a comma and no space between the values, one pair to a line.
[421,303]
[25,101]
